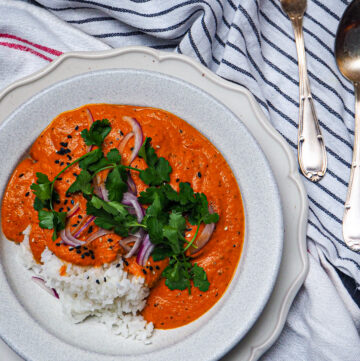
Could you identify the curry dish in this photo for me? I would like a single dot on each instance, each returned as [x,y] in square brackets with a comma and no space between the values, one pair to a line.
[195,166]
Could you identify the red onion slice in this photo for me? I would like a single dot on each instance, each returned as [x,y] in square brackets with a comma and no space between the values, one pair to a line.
[136,128]
[125,241]
[101,232]
[130,199]
[124,141]
[144,252]
[204,237]
[69,239]
[41,283]
[73,210]
[139,238]
[89,220]
[91,121]
[100,189]
[131,185]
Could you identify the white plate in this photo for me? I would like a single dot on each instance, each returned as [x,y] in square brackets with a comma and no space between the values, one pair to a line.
[238,309]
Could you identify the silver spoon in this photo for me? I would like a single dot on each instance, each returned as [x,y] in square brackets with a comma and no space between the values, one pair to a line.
[347,53]
[311,147]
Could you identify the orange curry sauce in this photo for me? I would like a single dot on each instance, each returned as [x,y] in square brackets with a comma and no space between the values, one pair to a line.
[193,159]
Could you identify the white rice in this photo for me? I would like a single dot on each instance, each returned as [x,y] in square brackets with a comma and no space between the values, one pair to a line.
[116,302]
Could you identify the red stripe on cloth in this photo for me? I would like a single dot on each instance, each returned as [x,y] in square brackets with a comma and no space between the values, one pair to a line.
[41,47]
[25,48]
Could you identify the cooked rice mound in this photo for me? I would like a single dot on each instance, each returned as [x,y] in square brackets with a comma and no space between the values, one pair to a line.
[107,293]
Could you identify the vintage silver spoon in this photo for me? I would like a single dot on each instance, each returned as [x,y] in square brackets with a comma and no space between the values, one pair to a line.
[311,147]
[347,53]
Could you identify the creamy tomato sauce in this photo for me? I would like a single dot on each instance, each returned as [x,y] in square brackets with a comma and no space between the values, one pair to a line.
[193,159]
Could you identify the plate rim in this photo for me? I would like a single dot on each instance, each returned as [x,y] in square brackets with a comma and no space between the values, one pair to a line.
[208,75]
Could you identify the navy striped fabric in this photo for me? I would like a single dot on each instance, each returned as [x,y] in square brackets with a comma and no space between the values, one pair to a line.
[251,42]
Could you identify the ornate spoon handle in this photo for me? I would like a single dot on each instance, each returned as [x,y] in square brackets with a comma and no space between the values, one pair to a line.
[311,147]
[351,219]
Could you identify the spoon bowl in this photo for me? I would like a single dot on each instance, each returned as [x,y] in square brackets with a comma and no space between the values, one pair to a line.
[347,53]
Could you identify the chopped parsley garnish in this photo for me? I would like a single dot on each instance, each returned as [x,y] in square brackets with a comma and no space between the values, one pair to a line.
[167,210]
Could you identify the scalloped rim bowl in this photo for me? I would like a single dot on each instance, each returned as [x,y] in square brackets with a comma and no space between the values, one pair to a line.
[44,333]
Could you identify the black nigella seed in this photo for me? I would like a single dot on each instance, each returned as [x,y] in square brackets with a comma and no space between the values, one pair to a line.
[75,174]
[86,254]
[77,127]
[83,256]
[90,229]
[62,163]
[118,265]
[151,268]
[180,131]
[92,256]
[177,180]
[61,209]
[21,175]
[71,248]
[98,282]
[132,148]
[87,277]
[78,247]
[104,279]
[85,248]
[144,271]
[59,178]
[27,194]
[57,161]
[58,244]
[67,150]
[72,201]
[67,195]
[64,144]
[126,262]
[110,240]
[80,216]
[78,251]
[65,201]
[68,208]
[62,151]
[57,201]
[74,225]
[199,174]
[69,156]
[110,248]
[67,163]
[157,267]
[69,136]
[121,133]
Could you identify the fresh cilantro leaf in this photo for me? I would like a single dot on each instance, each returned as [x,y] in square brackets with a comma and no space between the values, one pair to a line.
[163,169]
[170,193]
[177,221]
[42,187]
[173,237]
[82,183]
[114,156]
[147,152]
[148,196]
[97,133]
[46,219]
[200,278]
[155,229]
[177,276]
[39,204]
[149,176]
[116,183]
[161,252]
[186,194]
[210,218]
[92,158]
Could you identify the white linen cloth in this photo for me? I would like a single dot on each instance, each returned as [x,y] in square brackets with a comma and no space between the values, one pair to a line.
[249,42]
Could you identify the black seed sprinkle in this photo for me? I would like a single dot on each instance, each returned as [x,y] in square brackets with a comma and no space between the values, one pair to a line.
[78,247]
[177,180]
[75,174]
[132,148]
[77,127]
[151,268]
[87,277]
[72,201]
[74,225]
[104,279]
[65,201]
[62,151]
[27,194]
[64,144]
[90,229]
[62,163]
[98,282]
[234,245]
[67,195]
[69,156]
[110,248]
[110,240]
[57,161]
[118,265]
[61,209]
[68,208]
[21,175]
[59,178]
[83,256]
[80,216]
[180,131]
[86,254]
[71,248]
[199,174]
[121,133]
[67,163]
[157,267]
[78,251]
[57,244]
[144,271]
[92,256]
[69,136]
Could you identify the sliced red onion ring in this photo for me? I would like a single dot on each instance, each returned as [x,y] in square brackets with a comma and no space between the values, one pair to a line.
[101,232]
[91,121]
[140,236]
[69,239]
[124,141]
[144,252]
[130,199]
[41,283]
[100,189]
[131,185]
[136,128]
[73,210]
[89,220]
[124,243]
[204,237]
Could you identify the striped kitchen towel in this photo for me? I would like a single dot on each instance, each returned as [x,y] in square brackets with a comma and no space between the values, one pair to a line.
[249,42]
